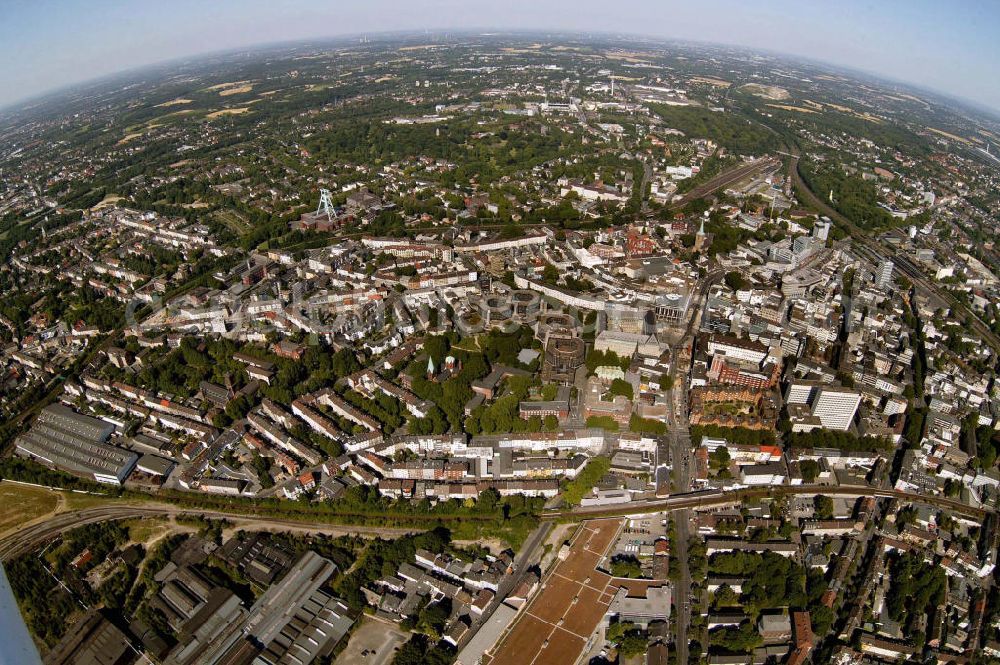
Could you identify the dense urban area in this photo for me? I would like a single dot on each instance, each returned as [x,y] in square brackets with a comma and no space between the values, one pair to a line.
[500,350]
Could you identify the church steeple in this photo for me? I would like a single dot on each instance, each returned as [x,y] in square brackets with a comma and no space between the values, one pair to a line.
[700,239]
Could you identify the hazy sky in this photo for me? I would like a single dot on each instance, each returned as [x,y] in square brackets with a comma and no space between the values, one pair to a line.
[950,46]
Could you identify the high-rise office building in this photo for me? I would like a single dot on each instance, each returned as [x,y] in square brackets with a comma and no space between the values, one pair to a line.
[883,276]
[835,407]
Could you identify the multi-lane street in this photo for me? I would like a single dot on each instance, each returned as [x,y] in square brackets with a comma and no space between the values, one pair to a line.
[681,458]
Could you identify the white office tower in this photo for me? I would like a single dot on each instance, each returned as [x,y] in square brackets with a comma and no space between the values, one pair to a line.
[799,393]
[835,407]
[821,231]
[883,276]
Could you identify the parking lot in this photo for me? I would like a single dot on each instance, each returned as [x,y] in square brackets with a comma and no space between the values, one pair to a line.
[373,643]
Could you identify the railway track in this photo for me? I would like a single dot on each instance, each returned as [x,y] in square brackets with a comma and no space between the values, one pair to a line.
[34,536]
[725,179]
[720,498]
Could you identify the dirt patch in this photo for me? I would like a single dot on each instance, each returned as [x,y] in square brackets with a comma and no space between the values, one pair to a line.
[175,102]
[225,86]
[237,111]
[842,109]
[709,80]
[798,109]
[239,90]
[772,92]
[129,137]
[108,200]
[949,135]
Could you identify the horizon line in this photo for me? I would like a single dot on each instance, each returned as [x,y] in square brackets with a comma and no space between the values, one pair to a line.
[24,104]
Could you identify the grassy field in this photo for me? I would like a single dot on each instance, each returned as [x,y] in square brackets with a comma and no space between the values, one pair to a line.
[108,200]
[146,530]
[77,501]
[231,219]
[19,504]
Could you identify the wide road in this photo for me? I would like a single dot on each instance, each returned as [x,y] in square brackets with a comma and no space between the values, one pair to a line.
[647,175]
[716,498]
[524,560]
[681,461]
[34,536]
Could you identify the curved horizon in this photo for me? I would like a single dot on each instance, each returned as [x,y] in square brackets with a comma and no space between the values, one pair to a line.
[945,52]
[194,58]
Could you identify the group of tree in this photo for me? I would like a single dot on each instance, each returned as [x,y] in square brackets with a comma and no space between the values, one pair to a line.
[45,605]
[421,650]
[622,388]
[853,196]
[451,395]
[736,281]
[771,579]
[48,599]
[809,469]
[743,638]
[718,461]
[576,489]
[979,441]
[628,638]
[383,407]
[508,518]
[597,359]
[730,129]
[503,414]
[823,507]
[29,471]
[386,555]
[649,426]
[626,565]
[846,441]
[735,435]
[916,588]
